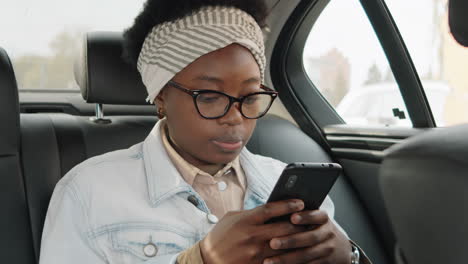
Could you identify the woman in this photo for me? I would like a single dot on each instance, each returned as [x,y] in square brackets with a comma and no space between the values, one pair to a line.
[191,192]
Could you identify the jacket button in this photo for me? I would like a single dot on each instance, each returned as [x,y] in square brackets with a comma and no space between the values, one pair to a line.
[150,250]
[212,218]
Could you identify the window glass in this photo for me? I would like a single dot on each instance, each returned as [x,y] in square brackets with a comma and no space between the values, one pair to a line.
[42,37]
[345,61]
[440,61]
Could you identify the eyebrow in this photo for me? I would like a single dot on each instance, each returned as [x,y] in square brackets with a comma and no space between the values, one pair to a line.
[252,80]
[209,79]
[220,81]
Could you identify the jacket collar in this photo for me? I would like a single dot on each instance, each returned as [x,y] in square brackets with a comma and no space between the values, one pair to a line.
[162,177]
[164,180]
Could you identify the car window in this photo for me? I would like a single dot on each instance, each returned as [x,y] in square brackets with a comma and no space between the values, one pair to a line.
[345,61]
[440,61]
[42,37]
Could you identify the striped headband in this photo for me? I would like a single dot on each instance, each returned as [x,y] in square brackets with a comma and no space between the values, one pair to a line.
[172,46]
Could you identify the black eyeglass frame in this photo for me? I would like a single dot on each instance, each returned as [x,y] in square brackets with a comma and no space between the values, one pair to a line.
[232,99]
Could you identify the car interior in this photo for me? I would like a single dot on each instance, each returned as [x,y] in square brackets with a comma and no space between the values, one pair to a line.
[389,186]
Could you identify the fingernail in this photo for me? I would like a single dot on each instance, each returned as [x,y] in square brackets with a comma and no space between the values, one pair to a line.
[300,205]
[297,205]
[297,219]
[268,261]
[275,244]
[293,205]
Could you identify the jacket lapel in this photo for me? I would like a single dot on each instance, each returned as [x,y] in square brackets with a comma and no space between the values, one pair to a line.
[262,174]
[162,177]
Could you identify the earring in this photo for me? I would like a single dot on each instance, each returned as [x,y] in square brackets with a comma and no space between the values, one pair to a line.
[160,113]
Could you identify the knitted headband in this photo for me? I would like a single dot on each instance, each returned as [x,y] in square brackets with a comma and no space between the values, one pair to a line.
[172,46]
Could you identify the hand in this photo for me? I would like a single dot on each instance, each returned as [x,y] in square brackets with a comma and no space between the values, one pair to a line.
[243,237]
[323,243]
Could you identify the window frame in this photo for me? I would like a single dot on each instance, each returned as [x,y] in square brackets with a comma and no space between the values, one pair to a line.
[304,101]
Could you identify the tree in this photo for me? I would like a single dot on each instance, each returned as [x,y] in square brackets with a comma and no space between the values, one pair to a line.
[50,72]
[65,47]
[333,76]
[374,75]
[30,71]
[389,77]
[341,87]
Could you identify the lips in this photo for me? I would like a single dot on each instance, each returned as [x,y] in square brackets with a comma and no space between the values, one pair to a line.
[231,146]
[229,143]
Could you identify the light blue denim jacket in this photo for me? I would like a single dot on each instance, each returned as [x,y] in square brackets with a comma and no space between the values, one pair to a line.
[108,208]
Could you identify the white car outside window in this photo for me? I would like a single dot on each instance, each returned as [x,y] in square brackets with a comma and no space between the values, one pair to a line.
[374,104]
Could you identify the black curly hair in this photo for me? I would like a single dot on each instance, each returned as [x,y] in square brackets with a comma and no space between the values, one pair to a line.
[159,11]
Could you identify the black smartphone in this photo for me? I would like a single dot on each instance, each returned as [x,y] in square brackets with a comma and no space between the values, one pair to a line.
[310,182]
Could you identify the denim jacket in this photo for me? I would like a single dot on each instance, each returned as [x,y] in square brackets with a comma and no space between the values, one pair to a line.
[131,206]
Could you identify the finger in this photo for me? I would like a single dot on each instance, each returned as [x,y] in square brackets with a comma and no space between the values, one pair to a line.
[281,229]
[304,239]
[305,255]
[268,252]
[315,217]
[271,210]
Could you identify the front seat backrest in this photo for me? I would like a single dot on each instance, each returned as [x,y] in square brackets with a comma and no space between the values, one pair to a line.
[458,20]
[15,233]
[424,182]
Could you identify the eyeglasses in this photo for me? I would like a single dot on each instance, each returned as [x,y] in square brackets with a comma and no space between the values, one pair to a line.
[212,104]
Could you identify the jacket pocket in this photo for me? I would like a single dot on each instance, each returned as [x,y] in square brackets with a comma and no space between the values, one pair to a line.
[143,243]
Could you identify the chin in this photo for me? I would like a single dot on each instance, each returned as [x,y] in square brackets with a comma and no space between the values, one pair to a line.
[223,157]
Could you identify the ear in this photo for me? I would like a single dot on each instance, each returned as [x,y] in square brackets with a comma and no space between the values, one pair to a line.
[160,100]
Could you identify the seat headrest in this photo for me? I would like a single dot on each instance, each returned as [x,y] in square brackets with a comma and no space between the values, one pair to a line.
[102,74]
[9,114]
[458,20]
[424,181]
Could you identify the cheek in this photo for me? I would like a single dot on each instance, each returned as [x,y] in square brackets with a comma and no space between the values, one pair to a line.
[186,125]
[179,107]
[249,125]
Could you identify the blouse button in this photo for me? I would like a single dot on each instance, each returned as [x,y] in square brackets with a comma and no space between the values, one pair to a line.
[222,186]
[150,250]
[212,218]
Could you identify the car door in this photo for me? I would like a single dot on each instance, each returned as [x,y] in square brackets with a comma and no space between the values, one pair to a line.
[333,51]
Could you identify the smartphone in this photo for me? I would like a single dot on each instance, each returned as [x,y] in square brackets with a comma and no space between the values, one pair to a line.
[310,182]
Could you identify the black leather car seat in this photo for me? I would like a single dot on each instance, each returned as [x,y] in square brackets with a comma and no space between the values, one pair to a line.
[280,139]
[15,231]
[424,182]
[52,144]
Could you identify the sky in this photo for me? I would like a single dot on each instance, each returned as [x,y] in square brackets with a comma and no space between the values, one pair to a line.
[27,27]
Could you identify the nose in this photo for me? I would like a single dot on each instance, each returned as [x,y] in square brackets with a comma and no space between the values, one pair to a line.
[233,116]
